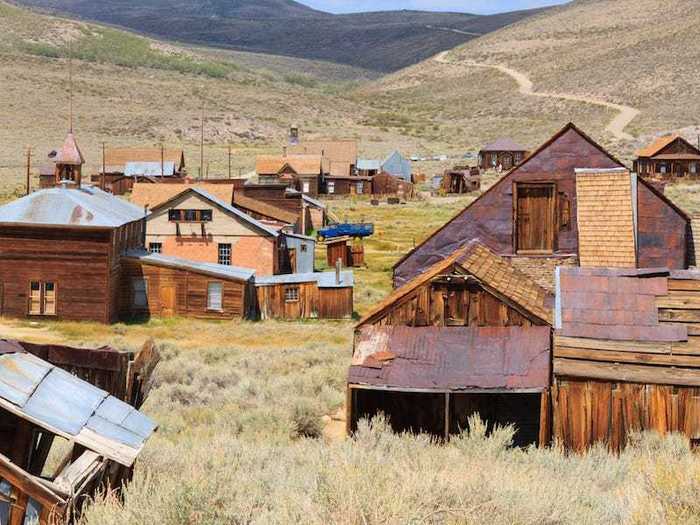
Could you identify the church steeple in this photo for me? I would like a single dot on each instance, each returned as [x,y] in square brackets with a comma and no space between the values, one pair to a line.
[69,162]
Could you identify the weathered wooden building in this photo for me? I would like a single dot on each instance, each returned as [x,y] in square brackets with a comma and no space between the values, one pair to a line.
[385,184]
[154,285]
[532,214]
[504,154]
[39,402]
[302,173]
[280,196]
[469,335]
[626,355]
[668,157]
[350,252]
[122,167]
[320,295]
[61,251]
[339,157]
[346,185]
[461,180]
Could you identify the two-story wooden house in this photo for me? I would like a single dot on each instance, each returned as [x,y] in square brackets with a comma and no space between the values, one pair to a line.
[531,215]
[668,156]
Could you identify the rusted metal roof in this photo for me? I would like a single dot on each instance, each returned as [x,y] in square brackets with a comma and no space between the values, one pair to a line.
[215,270]
[87,206]
[656,146]
[613,304]
[149,169]
[504,144]
[323,279]
[452,358]
[65,405]
[300,164]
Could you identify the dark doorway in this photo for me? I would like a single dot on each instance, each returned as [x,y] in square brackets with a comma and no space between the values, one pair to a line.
[535,224]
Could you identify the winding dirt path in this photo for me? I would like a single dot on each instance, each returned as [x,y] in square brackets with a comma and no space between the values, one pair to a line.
[616,127]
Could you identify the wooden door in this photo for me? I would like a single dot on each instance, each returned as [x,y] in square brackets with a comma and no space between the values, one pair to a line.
[168,299]
[293,259]
[535,218]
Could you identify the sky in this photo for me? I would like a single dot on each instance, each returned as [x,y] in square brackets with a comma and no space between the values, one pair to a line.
[464,6]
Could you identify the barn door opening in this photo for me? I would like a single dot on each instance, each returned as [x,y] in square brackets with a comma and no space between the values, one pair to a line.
[535,218]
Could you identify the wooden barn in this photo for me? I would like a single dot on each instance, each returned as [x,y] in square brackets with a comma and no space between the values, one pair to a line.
[668,157]
[503,154]
[626,355]
[532,214]
[161,286]
[61,251]
[469,335]
[385,184]
[122,167]
[321,295]
[39,402]
[461,180]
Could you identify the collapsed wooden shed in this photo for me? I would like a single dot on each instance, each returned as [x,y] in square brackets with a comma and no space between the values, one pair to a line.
[350,252]
[461,180]
[469,335]
[39,403]
[385,184]
[320,295]
[626,355]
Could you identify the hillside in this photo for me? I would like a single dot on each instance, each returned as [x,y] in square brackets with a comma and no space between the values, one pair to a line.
[134,90]
[381,41]
[600,51]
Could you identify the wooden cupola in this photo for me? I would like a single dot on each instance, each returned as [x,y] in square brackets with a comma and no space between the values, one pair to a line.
[69,162]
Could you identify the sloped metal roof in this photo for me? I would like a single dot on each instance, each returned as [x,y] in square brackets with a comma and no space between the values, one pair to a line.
[452,358]
[369,164]
[395,164]
[72,408]
[149,169]
[504,144]
[87,206]
[324,279]
[217,270]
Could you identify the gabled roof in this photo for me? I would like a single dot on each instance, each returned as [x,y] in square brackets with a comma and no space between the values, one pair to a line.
[504,144]
[67,406]
[337,151]
[151,195]
[493,271]
[215,270]
[116,159]
[452,359]
[300,164]
[87,206]
[223,206]
[656,146]
[606,223]
[70,152]
[397,165]
[322,279]
[263,208]
[570,126]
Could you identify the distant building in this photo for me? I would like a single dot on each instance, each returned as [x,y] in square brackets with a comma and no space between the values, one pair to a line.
[298,172]
[504,153]
[339,157]
[397,165]
[668,156]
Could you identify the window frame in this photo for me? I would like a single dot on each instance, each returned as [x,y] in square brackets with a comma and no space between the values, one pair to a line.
[42,300]
[219,257]
[331,187]
[152,245]
[134,305]
[190,215]
[210,307]
[294,291]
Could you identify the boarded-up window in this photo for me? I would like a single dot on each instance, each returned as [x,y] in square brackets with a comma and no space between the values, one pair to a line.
[42,298]
[140,293]
[215,296]
[291,294]
[535,219]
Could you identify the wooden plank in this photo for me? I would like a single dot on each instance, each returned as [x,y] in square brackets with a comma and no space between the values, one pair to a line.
[679,316]
[626,373]
[683,285]
[545,434]
[685,301]
[692,361]
[617,346]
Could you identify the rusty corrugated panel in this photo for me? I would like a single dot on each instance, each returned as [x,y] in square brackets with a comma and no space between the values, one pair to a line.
[614,305]
[454,358]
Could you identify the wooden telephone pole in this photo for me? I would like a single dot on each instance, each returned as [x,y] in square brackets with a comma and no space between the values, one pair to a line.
[201,145]
[29,170]
[104,168]
[229,161]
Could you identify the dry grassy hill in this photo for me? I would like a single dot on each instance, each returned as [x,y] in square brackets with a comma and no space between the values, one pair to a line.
[638,53]
[134,90]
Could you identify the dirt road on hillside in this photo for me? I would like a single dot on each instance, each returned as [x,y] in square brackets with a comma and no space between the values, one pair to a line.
[616,127]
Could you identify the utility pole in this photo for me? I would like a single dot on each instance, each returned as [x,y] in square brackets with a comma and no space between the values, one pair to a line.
[103,184]
[229,161]
[29,169]
[201,145]
[162,160]
[70,86]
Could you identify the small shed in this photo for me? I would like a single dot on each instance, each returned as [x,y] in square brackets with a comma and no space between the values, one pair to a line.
[350,252]
[386,184]
[461,179]
[398,166]
[163,286]
[301,251]
[326,295]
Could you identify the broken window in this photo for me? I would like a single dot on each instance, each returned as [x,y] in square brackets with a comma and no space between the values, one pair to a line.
[215,293]
[42,298]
